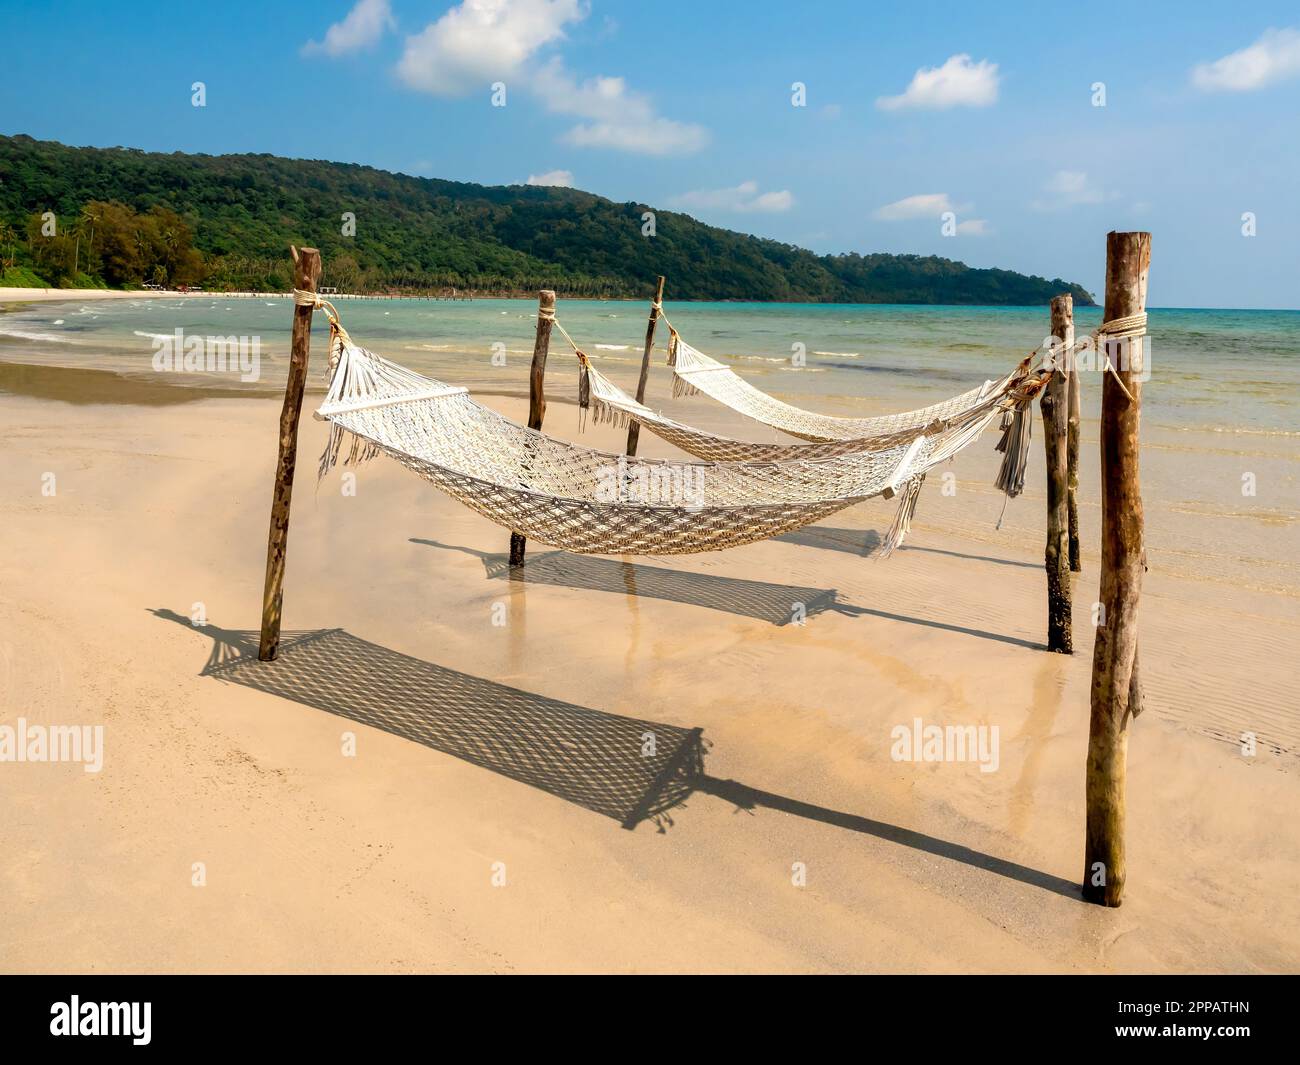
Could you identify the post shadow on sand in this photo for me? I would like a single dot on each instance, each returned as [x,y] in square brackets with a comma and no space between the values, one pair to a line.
[593,759]
[764,601]
[773,603]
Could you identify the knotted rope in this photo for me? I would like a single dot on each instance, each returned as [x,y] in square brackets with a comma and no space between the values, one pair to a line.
[584,368]
[338,335]
[1128,327]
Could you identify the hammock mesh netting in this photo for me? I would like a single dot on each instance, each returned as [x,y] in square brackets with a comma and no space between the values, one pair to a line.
[595,502]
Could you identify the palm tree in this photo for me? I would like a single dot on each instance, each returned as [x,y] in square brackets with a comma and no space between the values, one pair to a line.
[90,215]
[7,236]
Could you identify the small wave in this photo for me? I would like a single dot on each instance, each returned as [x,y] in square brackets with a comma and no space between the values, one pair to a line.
[613,347]
[154,336]
[1235,430]
[841,354]
[22,334]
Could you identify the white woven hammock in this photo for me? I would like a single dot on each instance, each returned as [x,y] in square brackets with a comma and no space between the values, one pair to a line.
[595,502]
[610,404]
[693,372]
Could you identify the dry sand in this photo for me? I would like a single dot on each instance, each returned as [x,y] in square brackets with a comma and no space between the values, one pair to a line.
[385,861]
[52,295]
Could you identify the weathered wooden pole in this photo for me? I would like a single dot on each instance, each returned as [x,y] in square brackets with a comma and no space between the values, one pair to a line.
[306,272]
[1116,693]
[536,391]
[1054,405]
[1072,458]
[634,426]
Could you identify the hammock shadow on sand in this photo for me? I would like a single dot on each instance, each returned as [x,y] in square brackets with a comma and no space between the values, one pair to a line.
[595,760]
[866,542]
[761,600]
[773,603]
[590,758]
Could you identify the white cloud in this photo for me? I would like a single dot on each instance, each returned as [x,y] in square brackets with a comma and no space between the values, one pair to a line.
[744,198]
[973,227]
[481,41]
[560,179]
[478,42]
[616,117]
[926,205]
[958,83]
[360,28]
[1069,188]
[1274,57]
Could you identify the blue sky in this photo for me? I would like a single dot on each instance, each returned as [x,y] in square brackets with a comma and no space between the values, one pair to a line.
[984,111]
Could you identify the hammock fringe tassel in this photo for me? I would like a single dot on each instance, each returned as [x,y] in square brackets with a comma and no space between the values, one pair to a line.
[584,394]
[682,387]
[902,517]
[360,451]
[1017,429]
[603,413]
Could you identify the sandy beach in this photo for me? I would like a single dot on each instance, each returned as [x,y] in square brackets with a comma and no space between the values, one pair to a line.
[497,814]
[56,295]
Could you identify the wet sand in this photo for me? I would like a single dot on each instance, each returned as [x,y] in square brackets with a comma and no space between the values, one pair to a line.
[500,813]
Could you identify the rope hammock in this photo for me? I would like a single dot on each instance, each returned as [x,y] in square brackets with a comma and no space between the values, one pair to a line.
[612,405]
[595,502]
[695,372]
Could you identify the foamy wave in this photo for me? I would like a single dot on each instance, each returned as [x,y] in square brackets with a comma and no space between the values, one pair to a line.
[154,336]
[841,354]
[613,347]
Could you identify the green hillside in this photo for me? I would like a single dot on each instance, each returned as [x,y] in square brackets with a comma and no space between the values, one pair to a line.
[123,217]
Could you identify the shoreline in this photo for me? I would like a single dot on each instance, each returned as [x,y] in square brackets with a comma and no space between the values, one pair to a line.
[56,295]
[10,296]
[82,385]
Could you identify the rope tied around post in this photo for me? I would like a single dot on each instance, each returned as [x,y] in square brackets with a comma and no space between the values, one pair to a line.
[338,335]
[1129,327]
[584,372]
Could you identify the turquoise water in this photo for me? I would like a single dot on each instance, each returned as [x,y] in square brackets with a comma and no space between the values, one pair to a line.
[1224,370]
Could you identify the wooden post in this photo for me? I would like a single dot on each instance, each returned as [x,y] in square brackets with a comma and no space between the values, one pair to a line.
[536,391]
[634,426]
[1072,460]
[1116,693]
[1054,403]
[306,273]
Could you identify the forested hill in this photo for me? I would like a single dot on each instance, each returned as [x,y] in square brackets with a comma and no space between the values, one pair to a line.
[126,216]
